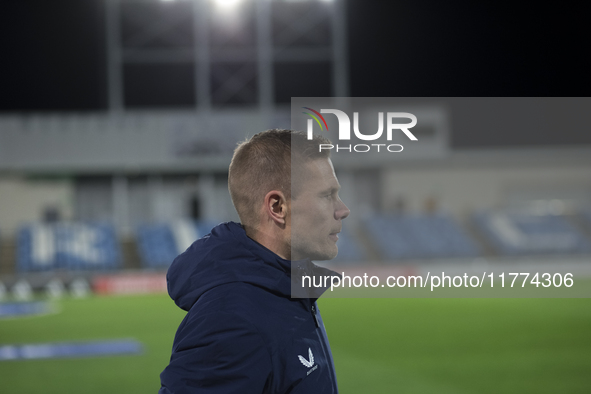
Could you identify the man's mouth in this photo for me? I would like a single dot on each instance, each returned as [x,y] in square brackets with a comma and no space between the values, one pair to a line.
[334,236]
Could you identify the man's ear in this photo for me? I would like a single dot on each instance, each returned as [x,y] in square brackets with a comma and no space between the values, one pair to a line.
[276,206]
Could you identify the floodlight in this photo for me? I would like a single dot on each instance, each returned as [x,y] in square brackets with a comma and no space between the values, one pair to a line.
[227,3]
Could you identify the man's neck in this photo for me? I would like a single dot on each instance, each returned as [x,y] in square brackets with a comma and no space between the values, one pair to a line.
[269,241]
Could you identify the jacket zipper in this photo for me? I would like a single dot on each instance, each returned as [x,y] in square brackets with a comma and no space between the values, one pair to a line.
[329,364]
[315,317]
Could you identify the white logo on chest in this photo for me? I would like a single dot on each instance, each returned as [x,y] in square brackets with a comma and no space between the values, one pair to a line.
[307,363]
[310,362]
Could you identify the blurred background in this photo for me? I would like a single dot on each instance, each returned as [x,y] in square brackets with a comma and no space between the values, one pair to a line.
[118,119]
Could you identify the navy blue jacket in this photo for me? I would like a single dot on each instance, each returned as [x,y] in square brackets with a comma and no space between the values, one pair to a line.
[243,332]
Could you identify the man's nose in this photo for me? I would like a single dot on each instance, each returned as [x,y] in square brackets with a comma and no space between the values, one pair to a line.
[342,211]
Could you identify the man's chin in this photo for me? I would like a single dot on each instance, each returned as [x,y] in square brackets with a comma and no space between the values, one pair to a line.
[325,256]
[325,252]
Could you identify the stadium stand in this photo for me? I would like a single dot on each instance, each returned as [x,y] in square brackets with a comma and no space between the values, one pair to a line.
[70,246]
[96,247]
[517,233]
[159,243]
[419,236]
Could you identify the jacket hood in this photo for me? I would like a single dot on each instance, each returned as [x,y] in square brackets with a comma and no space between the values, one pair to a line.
[224,256]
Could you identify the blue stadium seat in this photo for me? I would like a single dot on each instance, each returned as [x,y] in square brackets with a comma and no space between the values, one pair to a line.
[156,245]
[515,233]
[159,243]
[419,236]
[71,246]
[35,248]
[350,249]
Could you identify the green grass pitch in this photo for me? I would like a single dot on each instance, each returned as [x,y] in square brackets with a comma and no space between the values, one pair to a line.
[379,345]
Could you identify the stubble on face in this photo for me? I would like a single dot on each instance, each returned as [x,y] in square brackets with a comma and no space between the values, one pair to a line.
[313,212]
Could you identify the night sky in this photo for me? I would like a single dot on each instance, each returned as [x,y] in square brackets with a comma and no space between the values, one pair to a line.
[53,53]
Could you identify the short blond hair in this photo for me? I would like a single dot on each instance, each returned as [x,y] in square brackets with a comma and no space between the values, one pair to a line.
[264,163]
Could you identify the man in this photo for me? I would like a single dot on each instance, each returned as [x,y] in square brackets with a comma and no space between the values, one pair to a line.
[244,333]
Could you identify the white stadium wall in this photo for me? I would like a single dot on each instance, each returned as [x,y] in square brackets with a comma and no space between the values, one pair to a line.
[477,180]
[26,200]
